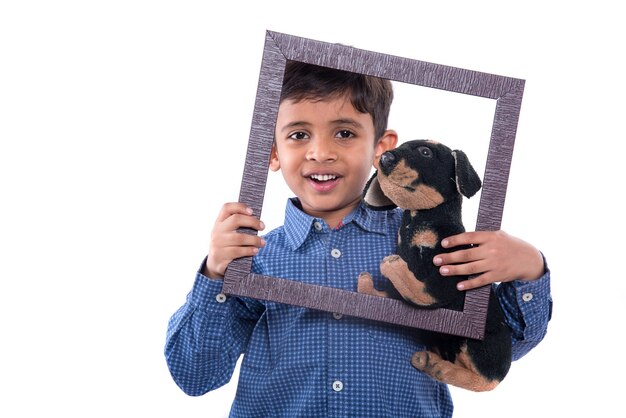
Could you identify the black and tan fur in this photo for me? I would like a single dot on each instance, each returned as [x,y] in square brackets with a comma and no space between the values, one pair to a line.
[428,180]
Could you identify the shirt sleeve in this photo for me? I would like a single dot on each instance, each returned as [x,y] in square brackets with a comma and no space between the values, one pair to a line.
[206,336]
[527,306]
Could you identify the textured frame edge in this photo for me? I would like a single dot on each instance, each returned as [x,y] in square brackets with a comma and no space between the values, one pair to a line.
[508,92]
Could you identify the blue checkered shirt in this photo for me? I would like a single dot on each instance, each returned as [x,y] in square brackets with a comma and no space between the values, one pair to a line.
[300,362]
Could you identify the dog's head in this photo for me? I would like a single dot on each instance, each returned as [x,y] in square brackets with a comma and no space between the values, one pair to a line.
[419,175]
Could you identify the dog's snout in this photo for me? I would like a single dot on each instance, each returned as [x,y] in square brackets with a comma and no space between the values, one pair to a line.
[387,160]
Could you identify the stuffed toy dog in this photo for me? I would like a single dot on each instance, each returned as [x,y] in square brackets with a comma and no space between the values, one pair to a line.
[428,180]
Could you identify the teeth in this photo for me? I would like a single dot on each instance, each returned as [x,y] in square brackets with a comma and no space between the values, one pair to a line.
[323,177]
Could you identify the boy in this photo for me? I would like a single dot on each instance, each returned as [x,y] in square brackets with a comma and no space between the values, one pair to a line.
[331,128]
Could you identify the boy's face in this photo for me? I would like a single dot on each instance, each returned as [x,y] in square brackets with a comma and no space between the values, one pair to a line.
[326,150]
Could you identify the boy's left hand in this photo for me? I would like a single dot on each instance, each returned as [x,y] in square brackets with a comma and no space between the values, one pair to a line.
[495,257]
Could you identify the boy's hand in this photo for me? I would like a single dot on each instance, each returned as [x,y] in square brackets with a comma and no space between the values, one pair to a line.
[227,244]
[495,257]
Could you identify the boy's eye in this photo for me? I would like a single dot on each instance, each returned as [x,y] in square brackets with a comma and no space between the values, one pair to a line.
[344,133]
[298,136]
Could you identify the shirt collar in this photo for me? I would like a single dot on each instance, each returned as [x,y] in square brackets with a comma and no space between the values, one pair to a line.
[298,225]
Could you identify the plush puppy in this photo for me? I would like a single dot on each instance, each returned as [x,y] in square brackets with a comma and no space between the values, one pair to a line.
[428,180]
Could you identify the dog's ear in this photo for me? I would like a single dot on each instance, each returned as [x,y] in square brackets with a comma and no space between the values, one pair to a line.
[374,197]
[467,180]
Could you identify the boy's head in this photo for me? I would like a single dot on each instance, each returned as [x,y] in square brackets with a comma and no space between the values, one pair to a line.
[330,131]
[367,94]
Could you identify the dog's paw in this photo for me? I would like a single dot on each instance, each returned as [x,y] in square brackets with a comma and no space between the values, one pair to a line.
[428,363]
[421,360]
[365,285]
[456,374]
[390,259]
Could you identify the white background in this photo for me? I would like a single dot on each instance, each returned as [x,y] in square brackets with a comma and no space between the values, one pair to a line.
[123,128]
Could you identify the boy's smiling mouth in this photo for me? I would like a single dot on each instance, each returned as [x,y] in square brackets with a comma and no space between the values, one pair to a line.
[323,177]
[323,182]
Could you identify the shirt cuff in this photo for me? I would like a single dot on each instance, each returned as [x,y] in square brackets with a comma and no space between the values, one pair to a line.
[207,292]
[531,293]
[527,306]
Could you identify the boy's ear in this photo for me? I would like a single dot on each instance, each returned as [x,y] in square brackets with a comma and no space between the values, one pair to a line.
[274,163]
[387,142]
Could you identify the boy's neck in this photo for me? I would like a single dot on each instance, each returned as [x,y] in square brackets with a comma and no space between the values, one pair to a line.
[332,218]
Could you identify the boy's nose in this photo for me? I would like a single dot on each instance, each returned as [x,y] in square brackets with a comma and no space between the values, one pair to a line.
[321,150]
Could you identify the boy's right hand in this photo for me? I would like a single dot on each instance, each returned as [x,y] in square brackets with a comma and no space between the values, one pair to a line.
[227,244]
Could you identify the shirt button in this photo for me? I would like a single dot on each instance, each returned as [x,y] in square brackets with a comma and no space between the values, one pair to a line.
[220,298]
[337,315]
[527,297]
[317,225]
[337,386]
[335,253]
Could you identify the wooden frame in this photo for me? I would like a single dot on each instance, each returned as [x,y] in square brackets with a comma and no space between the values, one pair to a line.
[506,91]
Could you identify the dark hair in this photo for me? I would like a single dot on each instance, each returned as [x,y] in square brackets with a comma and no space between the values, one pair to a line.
[367,94]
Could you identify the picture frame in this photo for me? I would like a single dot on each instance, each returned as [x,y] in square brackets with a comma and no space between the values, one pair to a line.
[506,91]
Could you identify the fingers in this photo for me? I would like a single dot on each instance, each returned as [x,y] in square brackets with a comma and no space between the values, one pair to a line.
[465,238]
[475,282]
[232,238]
[236,221]
[227,243]
[236,215]
[232,208]
[477,269]
[219,259]
[464,268]
[494,256]
[456,257]
[476,262]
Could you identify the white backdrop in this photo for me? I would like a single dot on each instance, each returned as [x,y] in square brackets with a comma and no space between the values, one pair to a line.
[123,128]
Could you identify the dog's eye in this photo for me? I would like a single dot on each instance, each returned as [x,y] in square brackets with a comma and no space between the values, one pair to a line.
[425,152]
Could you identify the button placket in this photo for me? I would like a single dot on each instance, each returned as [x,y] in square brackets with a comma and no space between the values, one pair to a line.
[337,268]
